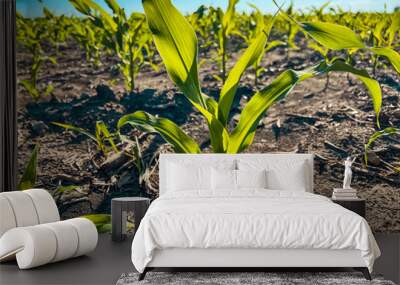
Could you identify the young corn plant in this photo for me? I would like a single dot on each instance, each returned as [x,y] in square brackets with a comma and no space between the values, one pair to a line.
[89,38]
[177,45]
[58,28]
[201,20]
[103,138]
[384,35]
[145,167]
[225,25]
[29,177]
[124,36]
[324,52]
[291,31]
[30,35]
[256,25]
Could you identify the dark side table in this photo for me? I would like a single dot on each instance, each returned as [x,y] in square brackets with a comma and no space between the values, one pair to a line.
[119,214]
[357,206]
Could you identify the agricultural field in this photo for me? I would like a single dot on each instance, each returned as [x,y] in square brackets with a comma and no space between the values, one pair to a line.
[102,94]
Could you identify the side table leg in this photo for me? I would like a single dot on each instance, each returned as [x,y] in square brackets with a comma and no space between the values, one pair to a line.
[116,221]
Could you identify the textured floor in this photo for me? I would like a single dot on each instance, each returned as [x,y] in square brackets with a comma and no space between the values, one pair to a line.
[103,266]
[106,264]
[251,278]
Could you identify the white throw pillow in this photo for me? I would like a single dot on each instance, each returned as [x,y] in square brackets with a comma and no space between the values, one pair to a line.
[292,179]
[288,174]
[223,179]
[187,174]
[251,178]
[182,177]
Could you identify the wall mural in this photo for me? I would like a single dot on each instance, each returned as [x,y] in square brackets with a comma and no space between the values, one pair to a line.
[106,86]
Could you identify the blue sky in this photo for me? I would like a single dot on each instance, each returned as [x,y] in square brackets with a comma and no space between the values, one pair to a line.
[32,8]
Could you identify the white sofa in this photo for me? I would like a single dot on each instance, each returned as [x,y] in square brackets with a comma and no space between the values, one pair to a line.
[31,231]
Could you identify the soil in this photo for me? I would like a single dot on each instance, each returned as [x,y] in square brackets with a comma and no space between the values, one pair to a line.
[331,122]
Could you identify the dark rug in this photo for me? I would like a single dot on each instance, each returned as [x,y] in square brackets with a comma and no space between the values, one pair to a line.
[236,278]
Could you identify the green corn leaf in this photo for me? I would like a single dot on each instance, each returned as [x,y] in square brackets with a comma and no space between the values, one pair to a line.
[371,84]
[248,140]
[176,42]
[47,13]
[170,132]
[377,33]
[243,133]
[256,107]
[101,221]
[391,55]
[68,188]
[32,90]
[385,132]
[394,28]
[52,59]
[227,20]
[219,136]
[95,12]
[252,53]
[76,129]
[274,44]
[81,6]
[292,35]
[102,132]
[332,36]
[259,17]
[49,89]
[106,228]
[113,6]
[212,105]
[29,177]
[98,219]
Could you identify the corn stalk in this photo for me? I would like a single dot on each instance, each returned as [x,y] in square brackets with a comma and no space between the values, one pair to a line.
[224,25]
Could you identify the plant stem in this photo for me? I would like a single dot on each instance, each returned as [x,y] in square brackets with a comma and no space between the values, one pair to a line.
[349,79]
[327,82]
[131,71]
[376,61]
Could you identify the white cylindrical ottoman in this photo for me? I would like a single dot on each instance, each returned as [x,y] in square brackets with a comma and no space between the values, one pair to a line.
[40,244]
